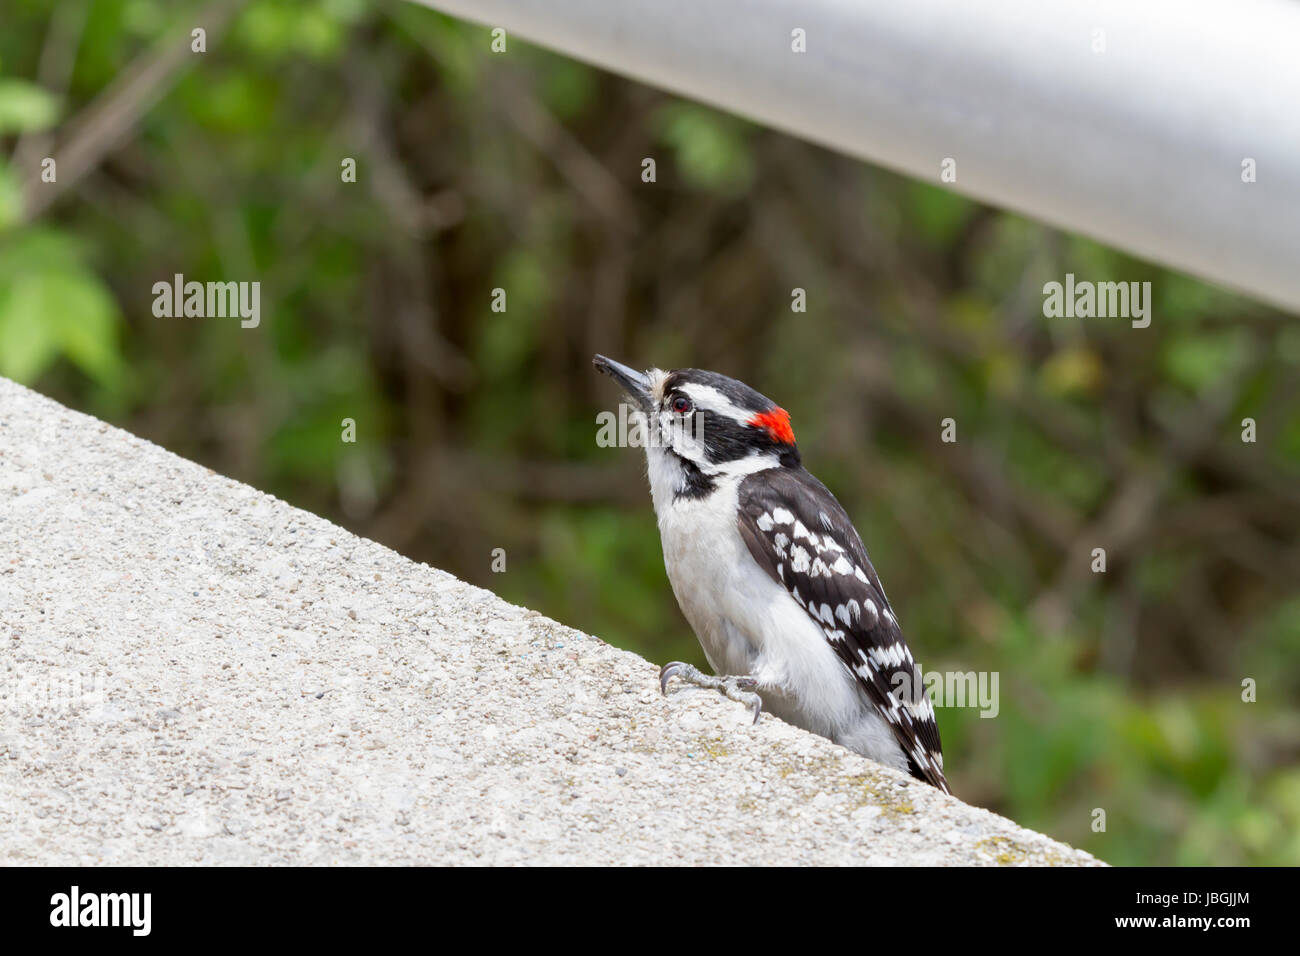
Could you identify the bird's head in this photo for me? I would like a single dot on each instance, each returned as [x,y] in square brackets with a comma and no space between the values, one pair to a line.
[709,424]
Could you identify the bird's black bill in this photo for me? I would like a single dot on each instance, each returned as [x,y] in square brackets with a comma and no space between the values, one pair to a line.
[636,384]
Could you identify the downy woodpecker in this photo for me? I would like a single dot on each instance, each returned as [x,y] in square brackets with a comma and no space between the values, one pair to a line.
[771,574]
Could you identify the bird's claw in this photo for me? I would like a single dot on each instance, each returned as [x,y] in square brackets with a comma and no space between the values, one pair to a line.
[741,689]
[667,673]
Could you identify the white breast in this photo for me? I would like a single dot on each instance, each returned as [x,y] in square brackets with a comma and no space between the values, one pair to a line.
[749,624]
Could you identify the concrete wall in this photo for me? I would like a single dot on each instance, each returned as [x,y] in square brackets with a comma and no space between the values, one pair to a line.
[193,672]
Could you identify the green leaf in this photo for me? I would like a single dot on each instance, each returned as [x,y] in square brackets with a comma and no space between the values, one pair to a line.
[26,107]
[937,213]
[1202,359]
[38,249]
[57,312]
[710,147]
[1074,370]
[86,319]
[11,198]
[568,88]
[28,342]
[276,29]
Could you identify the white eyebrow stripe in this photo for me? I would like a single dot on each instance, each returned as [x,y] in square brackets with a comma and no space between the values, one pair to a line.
[741,466]
[714,401]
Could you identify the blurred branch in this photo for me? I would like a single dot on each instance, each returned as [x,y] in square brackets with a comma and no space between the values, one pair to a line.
[445,482]
[58,56]
[588,177]
[1129,515]
[102,126]
[422,341]
[419,216]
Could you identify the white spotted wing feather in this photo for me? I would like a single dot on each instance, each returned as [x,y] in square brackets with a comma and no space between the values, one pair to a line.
[798,533]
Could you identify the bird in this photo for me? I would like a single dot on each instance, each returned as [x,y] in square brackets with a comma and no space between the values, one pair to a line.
[771,574]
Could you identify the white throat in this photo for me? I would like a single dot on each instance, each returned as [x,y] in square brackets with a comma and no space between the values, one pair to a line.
[669,477]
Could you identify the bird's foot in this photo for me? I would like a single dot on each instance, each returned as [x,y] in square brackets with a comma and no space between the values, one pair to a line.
[740,689]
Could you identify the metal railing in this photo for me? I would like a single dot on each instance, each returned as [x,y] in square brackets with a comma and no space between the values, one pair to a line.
[1140,123]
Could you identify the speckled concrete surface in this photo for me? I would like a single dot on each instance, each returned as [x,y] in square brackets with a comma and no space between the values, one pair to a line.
[193,672]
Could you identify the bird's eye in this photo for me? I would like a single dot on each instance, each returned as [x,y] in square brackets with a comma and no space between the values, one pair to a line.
[682,405]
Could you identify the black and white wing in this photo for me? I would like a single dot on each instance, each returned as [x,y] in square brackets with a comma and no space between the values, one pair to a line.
[801,536]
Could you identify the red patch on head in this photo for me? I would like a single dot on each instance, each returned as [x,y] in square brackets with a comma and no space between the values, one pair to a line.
[776,422]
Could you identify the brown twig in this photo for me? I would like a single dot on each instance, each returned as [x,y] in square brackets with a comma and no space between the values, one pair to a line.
[106,122]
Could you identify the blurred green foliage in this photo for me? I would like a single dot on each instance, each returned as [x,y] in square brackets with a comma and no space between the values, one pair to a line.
[476,428]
